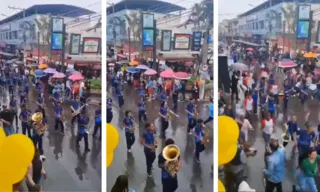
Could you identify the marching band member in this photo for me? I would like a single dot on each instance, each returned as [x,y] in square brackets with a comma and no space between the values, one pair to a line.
[74,107]
[109,110]
[119,93]
[164,117]
[40,103]
[39,127]
[58,118]
[97,125]
[169,182]
[14,107]
[83,122]
[292,129]
[150,145]
[306,137]
[191,108]
[211,109]
[199,139]
[129,126]
[142,110]
[24,117]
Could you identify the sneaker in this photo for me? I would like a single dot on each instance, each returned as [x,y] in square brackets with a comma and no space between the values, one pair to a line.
[62,133]
[129,151]
[197,160]
[149,174]
[42,158]
[87,150]
[190,133]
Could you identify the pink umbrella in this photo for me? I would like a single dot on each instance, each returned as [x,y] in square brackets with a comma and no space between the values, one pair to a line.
[76,77]
[111,64]
[317,71]
[59,75]
[287,64]
[168,73]
[181,75]
[150,72]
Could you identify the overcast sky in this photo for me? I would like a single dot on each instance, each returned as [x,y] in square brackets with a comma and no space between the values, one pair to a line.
[94,5]
[229,9]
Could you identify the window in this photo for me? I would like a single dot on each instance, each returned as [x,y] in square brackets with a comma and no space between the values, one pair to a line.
[261,23]
[257,25]
[15,35]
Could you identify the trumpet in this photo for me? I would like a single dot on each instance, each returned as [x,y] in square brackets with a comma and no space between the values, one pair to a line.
[286,137]
[171,154]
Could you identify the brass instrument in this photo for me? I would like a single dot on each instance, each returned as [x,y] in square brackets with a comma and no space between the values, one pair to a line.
[78,111]
[38,126]
[205,138]
[171,154]
[286,137]
[168,117]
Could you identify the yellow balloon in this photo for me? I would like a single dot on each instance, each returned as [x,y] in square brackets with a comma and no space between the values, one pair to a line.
[227,154]
[112,142]
[17,152]
[221,187]
[109,159]
[228,130]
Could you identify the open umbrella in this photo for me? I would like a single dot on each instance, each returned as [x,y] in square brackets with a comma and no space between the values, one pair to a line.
[134,63]
[39,73]
[168,73]
[150,72]
[58,75]
[132,70]
[50,70]
[144,67]
[181,75]
[250,49]
[287,64]
[70,70]
[310,55]
[239,67]
[75,77]
[43,66]
[111,64]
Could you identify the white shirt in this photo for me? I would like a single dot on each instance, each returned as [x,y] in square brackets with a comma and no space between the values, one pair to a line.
[274,89]
[268,127]
[82,85]
[249,103]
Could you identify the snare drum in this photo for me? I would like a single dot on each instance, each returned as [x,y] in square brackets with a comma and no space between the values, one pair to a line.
[281,95]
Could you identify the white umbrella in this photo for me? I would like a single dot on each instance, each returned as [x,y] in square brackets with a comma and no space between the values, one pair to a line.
[239,67]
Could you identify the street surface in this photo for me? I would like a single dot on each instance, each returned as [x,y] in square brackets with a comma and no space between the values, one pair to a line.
[68,169]
[192,177]
[256,164]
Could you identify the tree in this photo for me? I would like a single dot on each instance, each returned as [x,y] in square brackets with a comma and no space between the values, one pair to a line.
[289,14]
[202,18]
[275,16]
[134,23]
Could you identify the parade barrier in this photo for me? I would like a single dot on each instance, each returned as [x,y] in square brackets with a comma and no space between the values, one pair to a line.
[112,142]
[17,152]
[228,134]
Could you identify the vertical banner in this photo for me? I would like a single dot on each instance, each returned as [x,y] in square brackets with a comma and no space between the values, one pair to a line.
[57,35]
[75,40]
[304,20]
[148,31]
[196,41]
[181,41]
[91,45]
[166,36]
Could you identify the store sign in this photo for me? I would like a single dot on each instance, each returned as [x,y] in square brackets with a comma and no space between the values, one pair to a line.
[57,41]
[196,41]
[304,12]
[57,24]
[75,44]
[181,41]
[303,29]
[147,39]
[91,44]
[166,36]
[147,20]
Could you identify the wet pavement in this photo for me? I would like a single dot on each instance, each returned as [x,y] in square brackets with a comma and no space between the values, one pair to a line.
[192,177]
[256,164]
[68,169]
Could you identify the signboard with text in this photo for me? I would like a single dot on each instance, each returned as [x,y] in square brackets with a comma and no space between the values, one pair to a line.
[166,36]
[91,44]
[148,31]
[75,40]
[196,41]
[181,41]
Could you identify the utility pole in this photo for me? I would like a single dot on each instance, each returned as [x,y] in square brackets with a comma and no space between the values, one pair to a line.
[114,28]
[129,43]
[38,47]
[155,46]
[63,45]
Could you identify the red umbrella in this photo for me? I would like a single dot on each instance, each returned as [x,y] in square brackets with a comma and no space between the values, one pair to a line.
[76,77]
[181,75]
[59,75]
[287,64]
[250,49]
[168,73]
